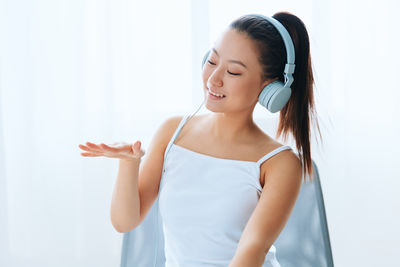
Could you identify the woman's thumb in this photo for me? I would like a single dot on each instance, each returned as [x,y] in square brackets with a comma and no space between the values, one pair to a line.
[136,146]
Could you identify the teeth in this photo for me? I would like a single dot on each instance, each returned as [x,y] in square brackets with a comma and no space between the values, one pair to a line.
[215,94]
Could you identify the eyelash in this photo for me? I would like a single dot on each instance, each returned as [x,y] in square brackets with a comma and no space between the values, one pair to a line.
[234,74]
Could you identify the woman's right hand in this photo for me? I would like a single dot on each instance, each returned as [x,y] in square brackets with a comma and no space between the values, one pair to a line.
[119,150]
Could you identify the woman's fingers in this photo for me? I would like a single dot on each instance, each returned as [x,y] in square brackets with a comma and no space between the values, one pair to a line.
[87,154]
[84,147]
[93,147]
[109,148]
[90,149]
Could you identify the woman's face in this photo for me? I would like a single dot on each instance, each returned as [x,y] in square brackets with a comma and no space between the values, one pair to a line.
[232,69]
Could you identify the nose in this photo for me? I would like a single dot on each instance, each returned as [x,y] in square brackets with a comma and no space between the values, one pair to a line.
[215,79]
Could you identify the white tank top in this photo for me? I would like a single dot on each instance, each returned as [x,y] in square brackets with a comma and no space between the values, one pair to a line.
[205,203]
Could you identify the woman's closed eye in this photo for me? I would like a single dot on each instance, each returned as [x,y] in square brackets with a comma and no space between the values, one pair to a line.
[235,74]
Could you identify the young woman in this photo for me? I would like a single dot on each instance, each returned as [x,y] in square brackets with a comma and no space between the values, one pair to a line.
[227,188]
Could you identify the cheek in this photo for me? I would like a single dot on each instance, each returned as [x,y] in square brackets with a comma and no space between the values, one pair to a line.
[243,88]
[244,95]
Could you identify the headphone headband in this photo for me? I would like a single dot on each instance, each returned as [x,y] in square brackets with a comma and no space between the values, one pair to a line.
[290,66]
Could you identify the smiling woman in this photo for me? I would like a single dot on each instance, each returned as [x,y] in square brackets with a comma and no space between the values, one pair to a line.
[223,188]
[237,71]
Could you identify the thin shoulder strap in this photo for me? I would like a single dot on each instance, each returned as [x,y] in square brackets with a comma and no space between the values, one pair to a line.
[272,153]
[176,133]
[162,181]
[179,128]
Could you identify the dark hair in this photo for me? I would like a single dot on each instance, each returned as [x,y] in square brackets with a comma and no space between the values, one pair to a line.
[296,114]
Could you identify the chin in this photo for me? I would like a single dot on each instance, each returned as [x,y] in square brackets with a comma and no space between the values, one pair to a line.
[214,107]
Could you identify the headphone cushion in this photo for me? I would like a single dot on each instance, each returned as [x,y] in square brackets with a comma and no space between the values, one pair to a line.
[205,58]
[279,99]
[274,96]
[268,91]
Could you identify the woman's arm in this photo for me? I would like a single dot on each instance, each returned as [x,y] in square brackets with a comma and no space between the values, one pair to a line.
[283,179]
[137,184]
[125,203]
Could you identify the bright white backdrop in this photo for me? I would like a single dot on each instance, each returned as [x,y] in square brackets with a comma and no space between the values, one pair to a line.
[104,71]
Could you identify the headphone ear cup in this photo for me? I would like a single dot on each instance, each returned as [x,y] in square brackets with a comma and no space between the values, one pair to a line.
[274,96]
[267,92]
[205,58]
[279,99]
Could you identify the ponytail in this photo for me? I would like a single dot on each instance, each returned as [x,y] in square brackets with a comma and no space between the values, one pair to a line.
[297,115]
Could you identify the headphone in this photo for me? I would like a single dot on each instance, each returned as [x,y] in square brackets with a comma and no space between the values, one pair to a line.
[276,94]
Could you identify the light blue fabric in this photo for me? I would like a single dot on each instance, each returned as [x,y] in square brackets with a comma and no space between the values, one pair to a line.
[304,241]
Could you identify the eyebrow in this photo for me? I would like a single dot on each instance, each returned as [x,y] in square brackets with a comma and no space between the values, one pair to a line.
[231,60]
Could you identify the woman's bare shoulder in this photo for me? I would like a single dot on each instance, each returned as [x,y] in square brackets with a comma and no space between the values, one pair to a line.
[170,125]
[167,128]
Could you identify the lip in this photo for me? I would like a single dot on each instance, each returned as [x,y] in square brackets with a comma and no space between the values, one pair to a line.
[208,89]
[213,97]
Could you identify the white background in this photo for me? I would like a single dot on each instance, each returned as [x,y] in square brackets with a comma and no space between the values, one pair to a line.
[103,71]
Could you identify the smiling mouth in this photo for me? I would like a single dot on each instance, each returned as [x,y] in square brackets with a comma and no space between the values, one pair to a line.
[219,95]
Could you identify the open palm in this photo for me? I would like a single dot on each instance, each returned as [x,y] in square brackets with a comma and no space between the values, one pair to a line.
[119,150]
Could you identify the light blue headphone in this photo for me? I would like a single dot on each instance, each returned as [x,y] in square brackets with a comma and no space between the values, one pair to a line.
[276,94]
